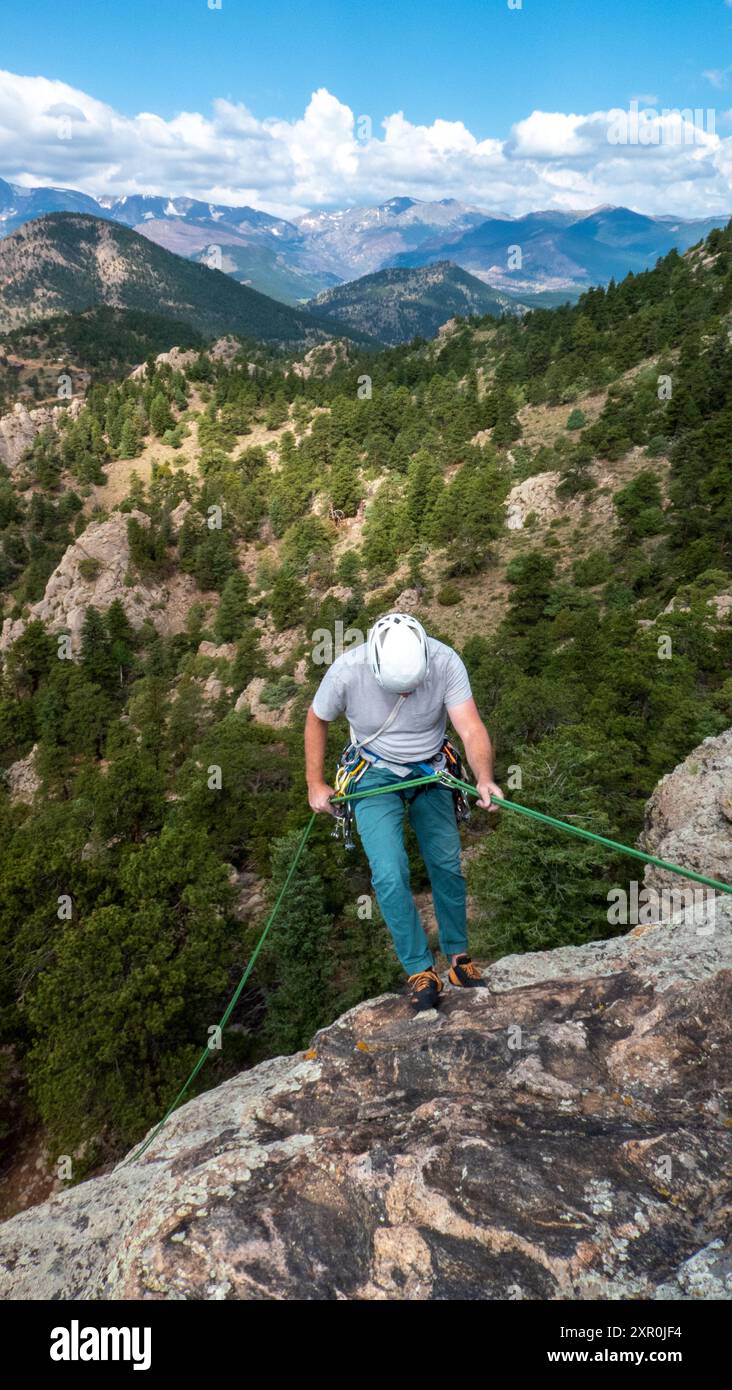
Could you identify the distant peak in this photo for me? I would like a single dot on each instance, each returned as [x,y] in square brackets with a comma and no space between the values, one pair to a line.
[399,204]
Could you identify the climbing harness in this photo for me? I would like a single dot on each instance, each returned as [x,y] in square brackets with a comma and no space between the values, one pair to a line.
[350,770]
[452,763]
[447,779]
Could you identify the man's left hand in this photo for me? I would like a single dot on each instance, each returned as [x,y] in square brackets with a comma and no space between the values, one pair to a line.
[490,792]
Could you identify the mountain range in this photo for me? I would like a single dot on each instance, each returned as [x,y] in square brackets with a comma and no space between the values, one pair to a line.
[561,253]
[556,251]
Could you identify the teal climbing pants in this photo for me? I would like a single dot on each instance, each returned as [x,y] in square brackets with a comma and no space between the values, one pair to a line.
[380,822]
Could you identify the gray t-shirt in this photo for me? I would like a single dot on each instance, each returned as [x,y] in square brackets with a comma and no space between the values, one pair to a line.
[417,733]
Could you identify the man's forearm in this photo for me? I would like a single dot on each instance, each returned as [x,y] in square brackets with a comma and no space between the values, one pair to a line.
[479,753]
[316,738]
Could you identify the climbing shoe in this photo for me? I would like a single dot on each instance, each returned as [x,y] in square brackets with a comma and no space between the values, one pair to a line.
[425,989]
[466,974]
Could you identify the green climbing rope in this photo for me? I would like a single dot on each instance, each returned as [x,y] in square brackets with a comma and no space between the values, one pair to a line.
[446,779]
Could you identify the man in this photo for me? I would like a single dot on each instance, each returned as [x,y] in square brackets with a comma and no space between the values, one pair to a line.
[397,691]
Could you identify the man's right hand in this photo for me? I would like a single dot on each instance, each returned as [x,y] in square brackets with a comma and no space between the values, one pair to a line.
[319,795]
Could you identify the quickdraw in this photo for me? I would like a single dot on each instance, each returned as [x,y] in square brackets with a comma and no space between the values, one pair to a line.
[351,767]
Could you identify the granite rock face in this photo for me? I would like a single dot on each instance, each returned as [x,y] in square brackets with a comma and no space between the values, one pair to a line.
[20,426]
[92,573]
[689,816]
[564,1133]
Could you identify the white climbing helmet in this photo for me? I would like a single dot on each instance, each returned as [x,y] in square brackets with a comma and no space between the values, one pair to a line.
[398,652]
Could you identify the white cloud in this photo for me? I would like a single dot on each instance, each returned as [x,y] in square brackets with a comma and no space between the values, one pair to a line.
[53,133]
[550,135]
[718,77]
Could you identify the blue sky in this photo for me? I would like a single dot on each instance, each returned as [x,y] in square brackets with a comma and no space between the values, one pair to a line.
[470,60]
[473,62]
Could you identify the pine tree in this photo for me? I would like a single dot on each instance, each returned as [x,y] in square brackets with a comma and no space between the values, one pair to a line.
[160,416]
[214,559]
[344,485]
[123,1007]
[286,600]
[97,660]
[233,608]
[129,443]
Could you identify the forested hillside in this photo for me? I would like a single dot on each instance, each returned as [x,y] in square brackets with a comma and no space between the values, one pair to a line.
[551,495]
[395,306]
[67,263]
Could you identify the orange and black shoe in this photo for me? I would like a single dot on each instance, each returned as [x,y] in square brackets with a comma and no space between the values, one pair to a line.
[466,974]
[425,989]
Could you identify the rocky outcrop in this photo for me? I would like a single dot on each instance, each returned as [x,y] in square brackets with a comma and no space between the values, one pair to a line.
[537,494]
[225,349]
[93,573]
[18,429]
[563,1134]
[689,816]
[560,1135]
[175,357]
[722,604]
[323,359]
[22,778]
[222,651]
[276,716]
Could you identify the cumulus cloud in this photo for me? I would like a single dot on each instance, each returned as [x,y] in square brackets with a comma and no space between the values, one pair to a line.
[53,133]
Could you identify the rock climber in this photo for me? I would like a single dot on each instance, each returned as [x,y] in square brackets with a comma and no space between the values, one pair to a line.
[397,691]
